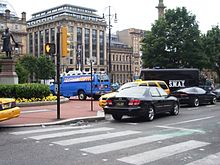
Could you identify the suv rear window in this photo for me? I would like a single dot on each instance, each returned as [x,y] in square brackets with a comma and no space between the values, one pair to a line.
[162,85]
[152,84]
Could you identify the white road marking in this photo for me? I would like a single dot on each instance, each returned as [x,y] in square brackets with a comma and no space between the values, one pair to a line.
[61,134]
[183,129]
[46,130]
[193,120]
[195,108]
[132,142]
[213,159]
[210,106]
[36,111]
[153,155]
[94,138]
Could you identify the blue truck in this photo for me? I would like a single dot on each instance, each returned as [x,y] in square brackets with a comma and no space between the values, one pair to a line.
[80,85]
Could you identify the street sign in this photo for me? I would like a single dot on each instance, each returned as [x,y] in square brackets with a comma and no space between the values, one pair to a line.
[50,48]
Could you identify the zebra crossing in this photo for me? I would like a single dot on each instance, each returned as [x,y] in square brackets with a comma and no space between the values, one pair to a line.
[127,139]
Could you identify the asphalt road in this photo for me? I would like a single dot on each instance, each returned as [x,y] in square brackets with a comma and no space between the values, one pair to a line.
[191,138]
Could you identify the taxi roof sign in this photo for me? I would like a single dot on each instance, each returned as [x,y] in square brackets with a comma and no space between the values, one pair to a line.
[50,48]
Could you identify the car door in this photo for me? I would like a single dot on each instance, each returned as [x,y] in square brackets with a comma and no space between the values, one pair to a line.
[202,94]
[167,103]
[157,100]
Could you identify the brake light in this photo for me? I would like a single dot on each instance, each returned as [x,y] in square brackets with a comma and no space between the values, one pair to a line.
[108,102]
[134,102]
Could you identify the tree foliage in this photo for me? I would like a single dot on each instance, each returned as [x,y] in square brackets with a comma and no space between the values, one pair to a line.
[211,47]
[31,69]
[173,42]
[46,69]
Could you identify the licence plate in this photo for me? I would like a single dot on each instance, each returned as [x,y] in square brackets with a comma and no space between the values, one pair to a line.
[120,104]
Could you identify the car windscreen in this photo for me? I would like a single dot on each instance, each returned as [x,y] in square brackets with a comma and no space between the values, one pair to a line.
[103,78]
[187,90]
[133,92]
[128,85]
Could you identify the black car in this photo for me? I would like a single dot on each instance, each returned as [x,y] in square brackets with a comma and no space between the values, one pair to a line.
[217,92]
[194,96]
[141,101]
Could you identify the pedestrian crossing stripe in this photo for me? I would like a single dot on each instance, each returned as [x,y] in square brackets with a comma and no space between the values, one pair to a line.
[153,155]
[47,130]
[133,142]
[95,138]
[136,159]
[62,134]
[213,159]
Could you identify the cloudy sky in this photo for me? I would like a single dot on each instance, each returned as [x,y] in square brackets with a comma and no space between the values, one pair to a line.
[131,13]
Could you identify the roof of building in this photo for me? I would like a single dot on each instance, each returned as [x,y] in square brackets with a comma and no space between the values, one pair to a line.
[4,4]
[64,9]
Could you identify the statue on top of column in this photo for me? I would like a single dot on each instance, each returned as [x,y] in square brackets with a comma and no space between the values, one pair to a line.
[7,47]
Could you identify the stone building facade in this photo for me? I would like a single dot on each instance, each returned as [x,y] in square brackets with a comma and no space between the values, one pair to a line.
[132,37]
[122,61]
[17,26]
[87,35]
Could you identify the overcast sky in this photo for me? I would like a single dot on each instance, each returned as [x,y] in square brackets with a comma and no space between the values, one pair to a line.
[138,14]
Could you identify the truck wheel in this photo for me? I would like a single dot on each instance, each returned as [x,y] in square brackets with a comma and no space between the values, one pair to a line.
[81,95]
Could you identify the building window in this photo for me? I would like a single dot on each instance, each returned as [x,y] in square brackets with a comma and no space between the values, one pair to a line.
[101,43]
[41,42]
[52,35]
[94,44]
[87,44]
[30,43]
[79,57]
[36,44]
[71,61]
[46,35]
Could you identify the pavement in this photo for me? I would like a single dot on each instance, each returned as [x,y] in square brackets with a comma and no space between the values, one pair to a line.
[45,113]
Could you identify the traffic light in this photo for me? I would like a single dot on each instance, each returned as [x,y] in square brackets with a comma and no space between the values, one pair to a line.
[64,41]
[50,48]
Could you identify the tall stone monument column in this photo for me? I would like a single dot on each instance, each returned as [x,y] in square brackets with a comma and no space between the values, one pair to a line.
[8,74]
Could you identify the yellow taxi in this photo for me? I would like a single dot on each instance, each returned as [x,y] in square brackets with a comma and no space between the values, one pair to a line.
[139,82]
[8,109]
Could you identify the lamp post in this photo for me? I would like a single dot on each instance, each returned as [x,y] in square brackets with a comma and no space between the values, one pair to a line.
[110,16]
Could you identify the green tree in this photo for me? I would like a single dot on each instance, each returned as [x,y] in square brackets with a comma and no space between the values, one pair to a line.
[174,42]
[45,68]
[22,73]
[211,46]
[29,63]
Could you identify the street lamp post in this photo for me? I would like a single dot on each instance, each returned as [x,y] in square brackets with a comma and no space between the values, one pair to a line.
[110,16]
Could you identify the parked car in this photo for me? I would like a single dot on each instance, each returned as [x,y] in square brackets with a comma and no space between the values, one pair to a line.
[139,82]
[8,109]
[194,96]
[142,101]
[217,92]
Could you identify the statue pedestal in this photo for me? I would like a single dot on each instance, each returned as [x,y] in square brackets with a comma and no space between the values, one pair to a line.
[8,74]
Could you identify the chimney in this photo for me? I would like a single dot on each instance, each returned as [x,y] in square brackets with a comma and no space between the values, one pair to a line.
[7,13]
[23,16]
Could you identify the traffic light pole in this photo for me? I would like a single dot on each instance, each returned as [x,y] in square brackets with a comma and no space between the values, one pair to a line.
[58,73]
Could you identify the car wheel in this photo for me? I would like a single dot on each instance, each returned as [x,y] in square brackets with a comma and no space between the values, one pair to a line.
[117,117]
[150,114]
[195,102]
[175,110]
[81,95]
[214,99]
